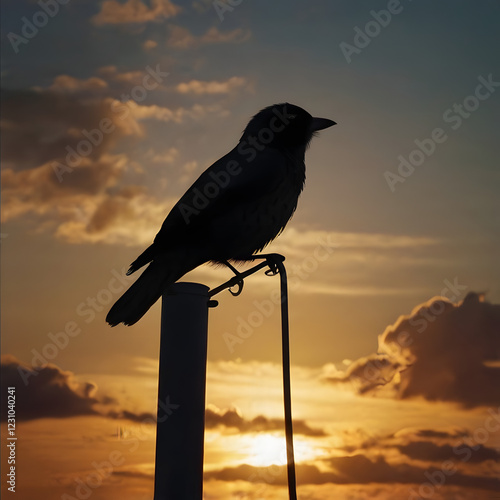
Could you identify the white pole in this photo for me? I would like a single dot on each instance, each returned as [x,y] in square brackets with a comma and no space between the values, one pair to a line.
[182,381]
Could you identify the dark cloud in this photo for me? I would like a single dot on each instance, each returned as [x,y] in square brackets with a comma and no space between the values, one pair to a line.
[431,433]
[461,448]
[232,419]
[275,475]
[39,126]
[49,392]
[368,373]
[355,469]
[442,352]
[137,474]
[45,392]
[429,451]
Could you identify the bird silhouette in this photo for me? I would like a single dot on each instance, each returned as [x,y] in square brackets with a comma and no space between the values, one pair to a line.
[233,210]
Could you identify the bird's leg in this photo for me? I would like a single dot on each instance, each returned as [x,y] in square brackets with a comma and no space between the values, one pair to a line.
[237,273]
[272,259]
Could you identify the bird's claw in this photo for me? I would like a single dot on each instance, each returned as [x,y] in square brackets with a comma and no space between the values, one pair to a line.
[273,262]
[239,290]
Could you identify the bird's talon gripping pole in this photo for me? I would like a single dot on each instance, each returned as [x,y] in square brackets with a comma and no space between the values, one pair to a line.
[275,263]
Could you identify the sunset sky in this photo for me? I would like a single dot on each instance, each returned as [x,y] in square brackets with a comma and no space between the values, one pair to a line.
[111,109]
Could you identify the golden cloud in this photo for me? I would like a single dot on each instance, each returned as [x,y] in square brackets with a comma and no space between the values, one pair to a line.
[182,38]
[198,87]
[134,12]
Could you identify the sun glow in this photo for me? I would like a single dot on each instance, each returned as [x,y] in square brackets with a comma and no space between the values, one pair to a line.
[268,449]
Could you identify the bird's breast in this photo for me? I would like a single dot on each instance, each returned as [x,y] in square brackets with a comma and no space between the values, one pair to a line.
[254,222]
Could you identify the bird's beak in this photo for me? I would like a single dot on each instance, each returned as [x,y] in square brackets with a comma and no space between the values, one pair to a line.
[321,123]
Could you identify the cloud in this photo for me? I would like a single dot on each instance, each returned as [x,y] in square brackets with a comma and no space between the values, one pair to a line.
[198,87]
[88,206]
[459,446]
[111,82]
[149,44]
[68,178]
[442,351]
[51,123]
[429,451]
[213,35]
[432,433]
[47,392]
[67,83]
[39,191]
[134,12]
[355,469]
[352,242]
[170,155]
[179,115]
[231,418]
[130,77]
[367,373]
[182,38]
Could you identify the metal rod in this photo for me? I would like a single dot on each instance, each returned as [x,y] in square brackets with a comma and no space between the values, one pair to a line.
[287,391]
[181,393]
[275,264]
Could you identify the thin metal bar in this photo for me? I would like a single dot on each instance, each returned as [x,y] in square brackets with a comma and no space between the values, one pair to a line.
[287,391]
[275,264]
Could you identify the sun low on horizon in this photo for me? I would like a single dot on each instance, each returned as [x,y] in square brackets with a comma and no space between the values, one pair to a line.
[111,110]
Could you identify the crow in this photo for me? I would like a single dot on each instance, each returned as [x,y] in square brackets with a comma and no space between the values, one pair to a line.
[233,210]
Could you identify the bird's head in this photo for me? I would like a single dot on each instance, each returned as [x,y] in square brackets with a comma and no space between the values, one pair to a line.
[284,125]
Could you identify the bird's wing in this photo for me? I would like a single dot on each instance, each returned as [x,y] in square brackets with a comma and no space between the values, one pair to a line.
[229,181]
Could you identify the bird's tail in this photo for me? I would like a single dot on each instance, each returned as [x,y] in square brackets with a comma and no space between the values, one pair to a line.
[148,288]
